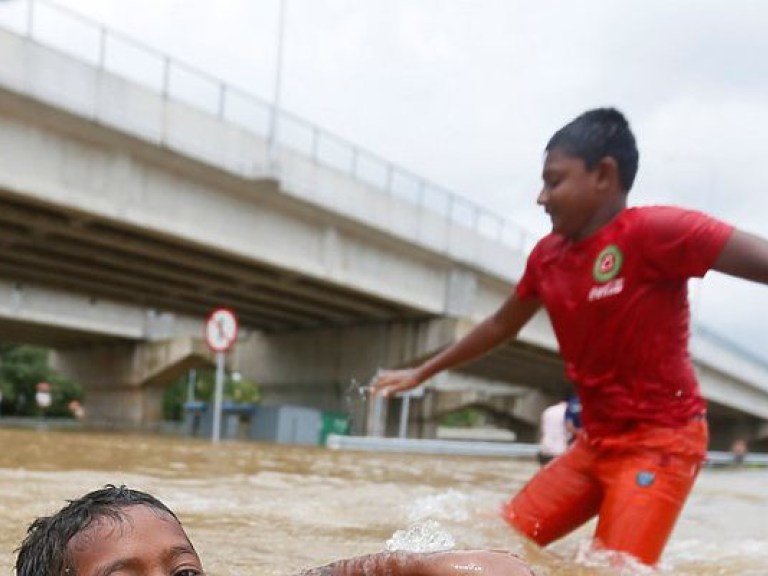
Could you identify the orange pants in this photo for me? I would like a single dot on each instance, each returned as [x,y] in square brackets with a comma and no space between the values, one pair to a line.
[635,482]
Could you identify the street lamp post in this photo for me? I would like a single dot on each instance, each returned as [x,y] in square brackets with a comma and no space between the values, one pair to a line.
[272,136]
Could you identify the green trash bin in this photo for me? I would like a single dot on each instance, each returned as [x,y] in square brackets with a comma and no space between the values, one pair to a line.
[333,423]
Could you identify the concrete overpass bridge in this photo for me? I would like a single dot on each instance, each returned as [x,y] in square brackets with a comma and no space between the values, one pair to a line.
[129,209]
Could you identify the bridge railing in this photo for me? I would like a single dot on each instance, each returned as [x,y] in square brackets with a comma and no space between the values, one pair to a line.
[59,27]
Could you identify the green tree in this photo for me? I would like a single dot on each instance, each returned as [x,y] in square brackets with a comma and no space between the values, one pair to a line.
[22,367]
[461,418]
[236,389]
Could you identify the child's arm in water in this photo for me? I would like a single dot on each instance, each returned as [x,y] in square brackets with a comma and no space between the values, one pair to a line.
[450,563]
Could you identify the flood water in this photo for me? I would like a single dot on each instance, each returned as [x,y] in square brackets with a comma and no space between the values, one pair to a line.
[262,509]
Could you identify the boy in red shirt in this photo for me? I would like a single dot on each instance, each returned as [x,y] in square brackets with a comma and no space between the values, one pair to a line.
[613,280]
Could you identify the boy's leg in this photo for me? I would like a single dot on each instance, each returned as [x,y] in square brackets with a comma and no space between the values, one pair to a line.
[645,491]
[558,499]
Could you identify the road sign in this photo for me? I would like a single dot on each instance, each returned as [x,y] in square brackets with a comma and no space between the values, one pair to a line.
[220,334]
[221,329]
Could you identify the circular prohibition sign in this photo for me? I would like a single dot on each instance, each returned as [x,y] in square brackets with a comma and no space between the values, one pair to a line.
[221,329]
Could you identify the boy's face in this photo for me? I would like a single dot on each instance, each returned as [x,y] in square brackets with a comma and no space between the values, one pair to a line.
[570,195]
[145,542]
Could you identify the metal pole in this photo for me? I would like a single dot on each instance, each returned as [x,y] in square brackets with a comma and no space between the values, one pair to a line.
[191,382]
[376,414]
[30,18]
[218,393]
[404,410]
[102,47]
[272,136]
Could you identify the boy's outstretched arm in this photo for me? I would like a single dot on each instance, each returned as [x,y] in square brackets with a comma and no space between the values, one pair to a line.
[745,255]
[505,323]
[449,563]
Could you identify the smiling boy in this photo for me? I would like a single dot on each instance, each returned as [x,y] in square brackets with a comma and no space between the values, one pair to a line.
[613,280]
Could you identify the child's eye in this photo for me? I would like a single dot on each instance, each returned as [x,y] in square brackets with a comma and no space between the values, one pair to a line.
[189,572]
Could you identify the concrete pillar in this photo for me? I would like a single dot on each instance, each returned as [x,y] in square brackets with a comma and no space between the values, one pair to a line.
[124,407]
[123,383]
[317,367]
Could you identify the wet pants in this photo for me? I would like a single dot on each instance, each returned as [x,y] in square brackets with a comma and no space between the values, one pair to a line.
[636,483]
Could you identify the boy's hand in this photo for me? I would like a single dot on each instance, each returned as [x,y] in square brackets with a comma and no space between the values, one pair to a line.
[390,382]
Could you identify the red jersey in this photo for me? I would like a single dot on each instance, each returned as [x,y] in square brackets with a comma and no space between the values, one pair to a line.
[618,302]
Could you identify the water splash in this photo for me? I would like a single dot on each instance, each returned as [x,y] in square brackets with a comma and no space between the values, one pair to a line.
[450,505]
[355,399]
[356,392]
[425,536]
[621,564]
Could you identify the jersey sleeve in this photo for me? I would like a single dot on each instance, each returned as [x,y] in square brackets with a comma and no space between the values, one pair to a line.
[679,243]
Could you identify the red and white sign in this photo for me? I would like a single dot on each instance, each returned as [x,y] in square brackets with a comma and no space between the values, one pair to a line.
[221,329]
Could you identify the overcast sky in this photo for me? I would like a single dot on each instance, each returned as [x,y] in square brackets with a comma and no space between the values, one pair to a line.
[467,92]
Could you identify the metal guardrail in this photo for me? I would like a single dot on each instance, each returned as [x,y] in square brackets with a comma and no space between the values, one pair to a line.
[492,449]
[70,32]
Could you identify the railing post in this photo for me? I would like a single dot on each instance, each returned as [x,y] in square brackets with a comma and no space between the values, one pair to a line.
[166,76]
[315,144]
[353,162]
[30,18]
[222,99]
[102,47]
[390,178]
[422,189]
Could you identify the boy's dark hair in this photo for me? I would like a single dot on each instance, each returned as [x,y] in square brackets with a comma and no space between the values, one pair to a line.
[45,549]
[596,134]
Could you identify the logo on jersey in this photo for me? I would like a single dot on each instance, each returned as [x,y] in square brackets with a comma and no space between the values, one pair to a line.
[607,264]
[645,479]
[605,290]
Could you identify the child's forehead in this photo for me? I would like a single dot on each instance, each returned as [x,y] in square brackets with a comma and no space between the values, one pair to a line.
[119,521]
[558,158]
[139,540]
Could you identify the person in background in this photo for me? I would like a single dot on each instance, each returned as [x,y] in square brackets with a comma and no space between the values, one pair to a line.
[573,417]
[553,434]
[739,451]
[116,530]
[613,280]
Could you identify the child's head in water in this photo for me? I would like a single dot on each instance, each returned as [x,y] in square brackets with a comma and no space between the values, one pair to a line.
[135,533]
[120,531]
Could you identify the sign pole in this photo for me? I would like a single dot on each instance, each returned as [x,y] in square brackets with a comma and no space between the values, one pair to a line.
[220,333]
[218,394]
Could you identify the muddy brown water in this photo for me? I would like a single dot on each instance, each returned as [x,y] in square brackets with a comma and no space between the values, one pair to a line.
[264,509]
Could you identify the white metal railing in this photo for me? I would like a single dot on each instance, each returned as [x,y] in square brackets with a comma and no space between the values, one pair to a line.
[63,29]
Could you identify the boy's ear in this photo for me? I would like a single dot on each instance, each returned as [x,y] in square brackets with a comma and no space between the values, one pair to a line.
[607,173]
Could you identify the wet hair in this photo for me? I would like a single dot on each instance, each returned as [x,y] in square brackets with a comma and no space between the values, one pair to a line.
[596,134]
[45,549]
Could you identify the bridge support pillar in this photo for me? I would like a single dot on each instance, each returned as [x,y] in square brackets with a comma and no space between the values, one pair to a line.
[325,367]
[123,383]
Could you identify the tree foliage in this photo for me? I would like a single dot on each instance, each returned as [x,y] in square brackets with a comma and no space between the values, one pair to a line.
[236,389]
[22,367]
